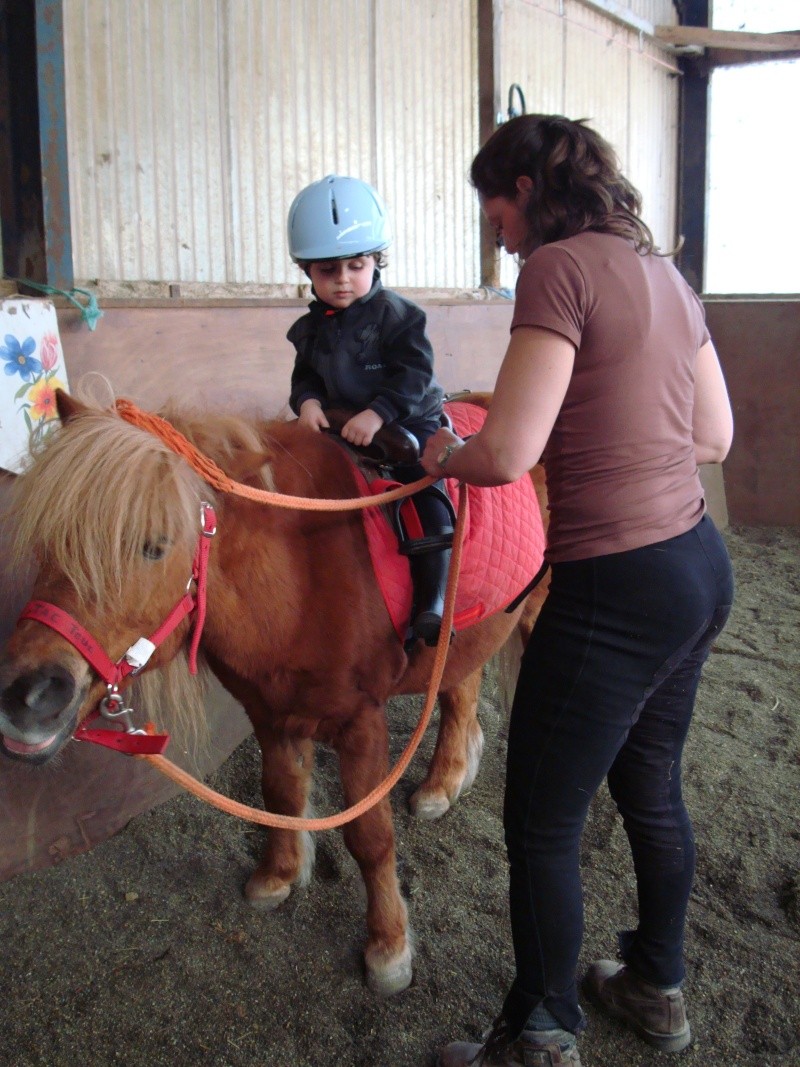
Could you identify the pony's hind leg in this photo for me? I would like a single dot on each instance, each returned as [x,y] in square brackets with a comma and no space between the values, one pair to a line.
[288,855]
[457,756]
[363,758]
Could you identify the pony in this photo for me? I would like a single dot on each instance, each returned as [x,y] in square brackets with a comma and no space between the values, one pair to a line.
[295,628]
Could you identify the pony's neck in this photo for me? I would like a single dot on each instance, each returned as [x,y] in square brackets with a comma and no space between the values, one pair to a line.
[270,566]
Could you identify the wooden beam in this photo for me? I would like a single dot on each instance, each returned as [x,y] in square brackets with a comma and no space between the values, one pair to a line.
[737,57]
[704,37]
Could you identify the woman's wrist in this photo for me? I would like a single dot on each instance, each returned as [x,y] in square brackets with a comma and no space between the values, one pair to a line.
[447,453]
[450,450]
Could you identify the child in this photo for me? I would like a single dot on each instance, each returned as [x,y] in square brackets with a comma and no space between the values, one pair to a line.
[362,346]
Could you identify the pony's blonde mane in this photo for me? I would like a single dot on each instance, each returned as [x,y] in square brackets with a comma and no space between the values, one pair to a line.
[174,700]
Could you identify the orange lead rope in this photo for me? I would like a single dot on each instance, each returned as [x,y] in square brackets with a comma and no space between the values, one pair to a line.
[291,822]
[217,478]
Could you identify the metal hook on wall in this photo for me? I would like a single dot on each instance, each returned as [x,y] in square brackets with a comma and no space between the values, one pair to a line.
[513,90]
[512,111]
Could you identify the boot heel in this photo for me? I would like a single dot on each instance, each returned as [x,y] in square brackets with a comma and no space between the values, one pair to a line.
[427,626]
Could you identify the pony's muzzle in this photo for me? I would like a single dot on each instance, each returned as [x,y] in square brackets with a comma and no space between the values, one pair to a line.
[32,705]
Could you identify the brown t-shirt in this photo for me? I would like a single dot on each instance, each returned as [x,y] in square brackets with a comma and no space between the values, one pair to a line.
[620,461]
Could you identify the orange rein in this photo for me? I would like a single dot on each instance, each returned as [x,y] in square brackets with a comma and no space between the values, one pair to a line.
[217,478]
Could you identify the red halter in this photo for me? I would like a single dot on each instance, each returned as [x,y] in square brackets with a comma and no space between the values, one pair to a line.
[112,705]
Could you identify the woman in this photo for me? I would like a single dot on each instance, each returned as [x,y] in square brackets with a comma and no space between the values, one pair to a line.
[611,379]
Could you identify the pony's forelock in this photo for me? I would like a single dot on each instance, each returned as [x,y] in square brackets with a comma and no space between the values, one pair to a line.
[98,490]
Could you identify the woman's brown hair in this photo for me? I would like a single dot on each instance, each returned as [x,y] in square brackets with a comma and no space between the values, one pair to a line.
[577,183]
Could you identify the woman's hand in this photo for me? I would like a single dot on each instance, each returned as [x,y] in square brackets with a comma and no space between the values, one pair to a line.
[434,447]
[312,416]
[360,430]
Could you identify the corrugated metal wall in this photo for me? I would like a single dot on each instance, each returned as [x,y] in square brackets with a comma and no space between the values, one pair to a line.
[192,124]
[427,130]
[659,12]
[570,59]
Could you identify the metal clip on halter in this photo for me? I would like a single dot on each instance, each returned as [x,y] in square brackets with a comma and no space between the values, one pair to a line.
[112,707]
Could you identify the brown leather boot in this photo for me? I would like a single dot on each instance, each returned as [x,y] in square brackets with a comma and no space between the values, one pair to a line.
[658,1016]
[533,1048]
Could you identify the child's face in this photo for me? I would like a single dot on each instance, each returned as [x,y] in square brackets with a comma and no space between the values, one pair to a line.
[340,282]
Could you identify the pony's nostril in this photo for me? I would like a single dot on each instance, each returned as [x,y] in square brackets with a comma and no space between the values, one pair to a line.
[46,691]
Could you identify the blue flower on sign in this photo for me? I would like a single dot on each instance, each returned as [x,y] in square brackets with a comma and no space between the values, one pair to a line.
[18,357]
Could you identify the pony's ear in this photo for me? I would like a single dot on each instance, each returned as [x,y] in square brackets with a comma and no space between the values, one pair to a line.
[67,406]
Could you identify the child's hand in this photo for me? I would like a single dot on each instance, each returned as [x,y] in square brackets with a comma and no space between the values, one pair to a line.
[362,428]
[312,416]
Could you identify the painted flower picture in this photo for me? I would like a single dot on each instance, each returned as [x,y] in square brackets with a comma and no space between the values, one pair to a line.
[18,357]
[33,368]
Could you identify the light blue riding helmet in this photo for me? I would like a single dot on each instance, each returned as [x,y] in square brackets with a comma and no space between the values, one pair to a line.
[337,218]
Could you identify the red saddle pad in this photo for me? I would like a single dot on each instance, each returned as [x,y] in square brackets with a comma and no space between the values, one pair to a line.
[503,543]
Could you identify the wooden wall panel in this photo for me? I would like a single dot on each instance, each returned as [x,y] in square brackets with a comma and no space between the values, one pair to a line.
[758,342]
[237,356]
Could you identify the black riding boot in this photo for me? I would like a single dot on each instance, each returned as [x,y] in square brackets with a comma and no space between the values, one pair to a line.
[429,559]
[429,572]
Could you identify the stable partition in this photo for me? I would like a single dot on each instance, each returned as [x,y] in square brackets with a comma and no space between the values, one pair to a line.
[758,339]
[235,356]
[226,356]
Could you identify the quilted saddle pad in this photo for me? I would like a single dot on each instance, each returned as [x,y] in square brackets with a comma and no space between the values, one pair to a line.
[503,543]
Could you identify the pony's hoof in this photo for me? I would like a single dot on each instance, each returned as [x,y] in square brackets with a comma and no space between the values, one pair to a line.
[429,805]
[266,895]
[387,977]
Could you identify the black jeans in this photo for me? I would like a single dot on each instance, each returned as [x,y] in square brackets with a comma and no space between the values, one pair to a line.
[607,688]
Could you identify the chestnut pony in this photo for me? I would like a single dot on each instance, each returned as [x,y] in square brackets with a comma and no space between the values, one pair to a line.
[296,628]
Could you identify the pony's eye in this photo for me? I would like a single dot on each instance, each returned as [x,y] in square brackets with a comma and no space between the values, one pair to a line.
[155,550]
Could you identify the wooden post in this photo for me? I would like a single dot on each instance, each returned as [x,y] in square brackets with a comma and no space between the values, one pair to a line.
[489,16]
[34,181]
[693,136]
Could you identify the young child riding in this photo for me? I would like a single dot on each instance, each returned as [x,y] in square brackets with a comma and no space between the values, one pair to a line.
[365,348]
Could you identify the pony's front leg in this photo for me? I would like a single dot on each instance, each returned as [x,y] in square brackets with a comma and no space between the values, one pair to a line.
[288,855]
[457,756]
[363,758]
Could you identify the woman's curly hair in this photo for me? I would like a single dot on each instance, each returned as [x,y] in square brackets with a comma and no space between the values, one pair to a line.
[577,183]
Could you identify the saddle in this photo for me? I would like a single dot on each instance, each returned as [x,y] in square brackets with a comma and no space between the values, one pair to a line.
[391,446]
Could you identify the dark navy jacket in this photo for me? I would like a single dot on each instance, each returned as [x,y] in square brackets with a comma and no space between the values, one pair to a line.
[374,354]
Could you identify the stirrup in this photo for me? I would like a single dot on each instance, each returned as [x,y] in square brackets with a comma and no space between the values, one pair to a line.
[431,639]
[432,543]
[426,627]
